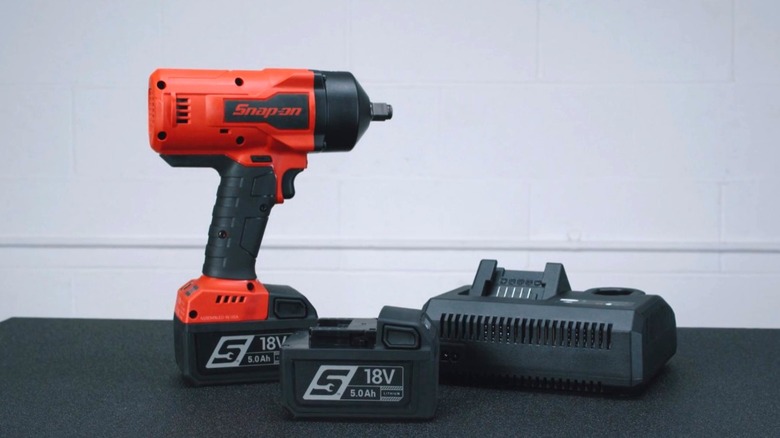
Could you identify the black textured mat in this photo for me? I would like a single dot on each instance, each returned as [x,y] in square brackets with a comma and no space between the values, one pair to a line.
[76,377]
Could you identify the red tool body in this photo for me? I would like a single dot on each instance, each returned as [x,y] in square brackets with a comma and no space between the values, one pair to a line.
[256,129]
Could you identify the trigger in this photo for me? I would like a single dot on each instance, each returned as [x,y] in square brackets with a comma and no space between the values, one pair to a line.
[288,188]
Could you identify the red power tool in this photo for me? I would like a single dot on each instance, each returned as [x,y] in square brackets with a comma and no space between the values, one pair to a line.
[255,128]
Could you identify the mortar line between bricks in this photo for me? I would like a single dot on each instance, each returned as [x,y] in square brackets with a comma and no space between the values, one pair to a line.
[72,296]
[733,40]
[72,168]
[539,82]
[721,220]
[529,199]
[317,244]
[538,53]
[339,229]
[348,42]
[466,272]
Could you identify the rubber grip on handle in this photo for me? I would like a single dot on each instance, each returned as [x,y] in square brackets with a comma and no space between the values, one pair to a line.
[244,200]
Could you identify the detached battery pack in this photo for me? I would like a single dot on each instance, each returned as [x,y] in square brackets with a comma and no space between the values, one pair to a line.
[529,329]
[363,368]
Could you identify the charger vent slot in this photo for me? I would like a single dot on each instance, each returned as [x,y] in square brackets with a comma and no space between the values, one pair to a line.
[530,331]
[529,382]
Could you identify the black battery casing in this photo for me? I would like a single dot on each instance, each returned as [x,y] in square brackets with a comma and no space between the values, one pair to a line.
[363,368]
[529,329]
[241,352]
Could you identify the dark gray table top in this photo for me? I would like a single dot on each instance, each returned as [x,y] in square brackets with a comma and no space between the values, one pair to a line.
[64,377]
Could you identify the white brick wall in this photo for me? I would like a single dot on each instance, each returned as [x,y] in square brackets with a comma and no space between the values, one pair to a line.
[650,41]
[635,142]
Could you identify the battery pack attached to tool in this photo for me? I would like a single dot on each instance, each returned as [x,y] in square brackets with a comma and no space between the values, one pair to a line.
[363,368]
[213,349]
[529,329]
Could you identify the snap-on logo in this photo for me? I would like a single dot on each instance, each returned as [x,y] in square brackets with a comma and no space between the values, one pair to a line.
[243,109]
[282,111]
[330,382]
[229,351]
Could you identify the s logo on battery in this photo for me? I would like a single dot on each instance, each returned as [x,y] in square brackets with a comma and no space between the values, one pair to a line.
[330,382]
[247,351]
[230,351]
[378,383]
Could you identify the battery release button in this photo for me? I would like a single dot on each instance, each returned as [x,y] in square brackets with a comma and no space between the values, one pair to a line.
[400,337]
[285,308]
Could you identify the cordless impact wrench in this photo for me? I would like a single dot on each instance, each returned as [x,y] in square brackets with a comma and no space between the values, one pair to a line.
[255,128]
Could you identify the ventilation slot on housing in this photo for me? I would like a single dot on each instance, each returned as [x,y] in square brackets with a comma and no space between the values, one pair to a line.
[531,382]
[508,330]
[225,299]
[182,110]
